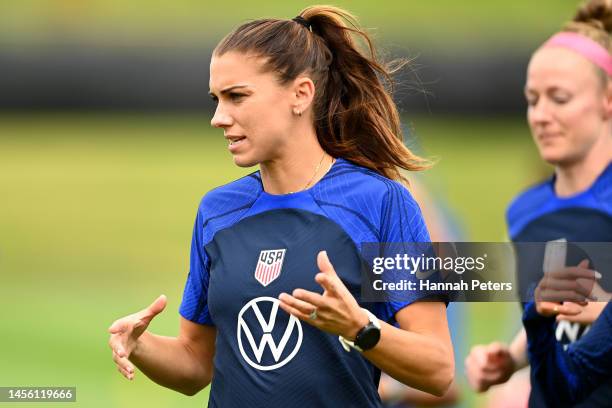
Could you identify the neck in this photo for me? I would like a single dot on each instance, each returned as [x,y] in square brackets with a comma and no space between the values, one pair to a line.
[577,177]
[297,169]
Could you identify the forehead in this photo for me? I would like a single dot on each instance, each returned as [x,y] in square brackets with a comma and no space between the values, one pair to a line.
[234,68]
[560,67]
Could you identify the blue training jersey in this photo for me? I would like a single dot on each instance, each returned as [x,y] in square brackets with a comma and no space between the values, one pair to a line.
[249,246]
[569,375]
[538,215]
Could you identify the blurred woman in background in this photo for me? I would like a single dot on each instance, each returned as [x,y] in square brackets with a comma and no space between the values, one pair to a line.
[569,97]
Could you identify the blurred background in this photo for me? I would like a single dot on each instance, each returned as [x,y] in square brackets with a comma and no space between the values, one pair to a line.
[106,149]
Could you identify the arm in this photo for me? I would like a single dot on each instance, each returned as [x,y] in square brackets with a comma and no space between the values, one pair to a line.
[182,363]
[568,376]
[391,392]
[420,354]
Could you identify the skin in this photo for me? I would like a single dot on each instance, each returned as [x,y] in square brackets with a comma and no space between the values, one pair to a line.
[569,113]
[283,143]
[276,124]
[570,117]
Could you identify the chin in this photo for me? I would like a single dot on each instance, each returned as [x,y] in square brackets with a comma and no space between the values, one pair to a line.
[243,161]
[559,159]
[552,154]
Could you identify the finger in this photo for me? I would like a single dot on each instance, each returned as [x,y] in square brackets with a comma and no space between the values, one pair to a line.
[567,308]
[118,326]
[581,287]
[117,344]
[123,362]
[479,356]
[574,272]
[548,308]
[124,365]
[294,312]
[154,308]
[324,263]
[303,307]
[328,283]
[560,296]
[313,298]
[560,284]
[495,351]
[126,374]
[475,379]
[570,309]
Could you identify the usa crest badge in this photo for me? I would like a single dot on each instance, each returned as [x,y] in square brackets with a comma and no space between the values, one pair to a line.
[269,265]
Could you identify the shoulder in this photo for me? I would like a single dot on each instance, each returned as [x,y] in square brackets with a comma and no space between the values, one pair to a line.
[383,204]
[602,189]
[231,197]
[527,203]
[352,180]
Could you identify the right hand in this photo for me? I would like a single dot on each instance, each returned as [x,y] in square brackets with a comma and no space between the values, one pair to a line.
[558,289]
[488,365]
[126,331]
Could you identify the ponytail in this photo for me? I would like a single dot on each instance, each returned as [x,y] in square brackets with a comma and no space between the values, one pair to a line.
[354,114]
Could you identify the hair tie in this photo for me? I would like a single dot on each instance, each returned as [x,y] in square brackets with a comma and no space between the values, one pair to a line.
[303,22]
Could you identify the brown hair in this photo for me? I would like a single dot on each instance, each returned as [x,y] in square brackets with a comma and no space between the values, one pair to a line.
[594,20]
[354,114]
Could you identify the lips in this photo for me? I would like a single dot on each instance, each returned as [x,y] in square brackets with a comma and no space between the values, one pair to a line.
[235,142]
[235,139]
[548,136]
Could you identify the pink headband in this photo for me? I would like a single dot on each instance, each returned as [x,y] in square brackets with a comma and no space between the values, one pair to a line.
[584,46]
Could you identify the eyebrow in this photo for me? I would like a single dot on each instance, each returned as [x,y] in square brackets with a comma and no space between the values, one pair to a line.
[229,89]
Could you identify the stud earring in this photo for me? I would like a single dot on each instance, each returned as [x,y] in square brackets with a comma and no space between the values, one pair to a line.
[297,112]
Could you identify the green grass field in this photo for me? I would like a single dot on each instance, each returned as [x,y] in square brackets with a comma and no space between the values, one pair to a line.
[96,219]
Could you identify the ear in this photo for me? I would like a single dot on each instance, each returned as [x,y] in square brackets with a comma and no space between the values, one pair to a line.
[608,100]
[303,93]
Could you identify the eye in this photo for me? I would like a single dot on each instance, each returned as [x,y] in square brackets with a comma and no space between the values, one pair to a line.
[214,99]
[236,97]
[560,98]
[531,100]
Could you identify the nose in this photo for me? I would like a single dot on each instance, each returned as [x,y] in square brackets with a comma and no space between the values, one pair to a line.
[540,113]
[221,118]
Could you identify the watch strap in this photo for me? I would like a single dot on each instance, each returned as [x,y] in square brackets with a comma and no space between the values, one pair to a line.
[348,344]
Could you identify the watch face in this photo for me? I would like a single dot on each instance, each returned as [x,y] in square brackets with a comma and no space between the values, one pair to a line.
[368,337]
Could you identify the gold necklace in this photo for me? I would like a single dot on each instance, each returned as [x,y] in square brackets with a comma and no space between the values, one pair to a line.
[315,174]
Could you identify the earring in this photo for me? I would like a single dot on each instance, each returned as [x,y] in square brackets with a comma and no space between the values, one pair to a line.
[297,112]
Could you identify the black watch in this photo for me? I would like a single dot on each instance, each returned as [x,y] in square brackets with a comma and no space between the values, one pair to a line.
[367,337]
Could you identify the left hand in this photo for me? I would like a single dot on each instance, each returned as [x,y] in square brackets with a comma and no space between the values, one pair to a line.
[577,313]
[337,311]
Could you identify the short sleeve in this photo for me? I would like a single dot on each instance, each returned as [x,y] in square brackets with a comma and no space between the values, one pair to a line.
[402,222]
[194,306]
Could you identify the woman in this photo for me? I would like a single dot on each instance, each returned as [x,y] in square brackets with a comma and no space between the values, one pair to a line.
[270,312]
[569,96]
